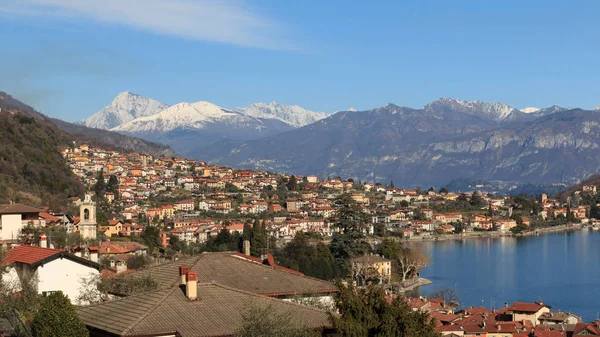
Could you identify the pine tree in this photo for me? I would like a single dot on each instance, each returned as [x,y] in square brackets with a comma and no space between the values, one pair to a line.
[257,241]
[247,232]
[57,317]
[100,186]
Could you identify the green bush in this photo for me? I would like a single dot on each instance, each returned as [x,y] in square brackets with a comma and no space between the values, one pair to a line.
[57,317]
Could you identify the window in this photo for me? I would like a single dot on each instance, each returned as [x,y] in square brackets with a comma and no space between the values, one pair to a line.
[86,214]
[48,293]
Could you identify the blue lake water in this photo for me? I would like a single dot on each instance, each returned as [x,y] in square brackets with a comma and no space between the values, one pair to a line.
[562,269]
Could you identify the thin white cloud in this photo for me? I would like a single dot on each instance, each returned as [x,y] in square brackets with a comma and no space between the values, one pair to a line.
[224,21]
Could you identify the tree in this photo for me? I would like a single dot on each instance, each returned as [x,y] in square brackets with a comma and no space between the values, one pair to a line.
[448,295]
[137,262]
[350,219]
[100,186]
[151,237]
[113,184]
[410,261]
[349,216]
[367,312]
[292,183]
[260,320]
[247,231]
[57,317]
[595,212]
[96,289]
[391,183]
[259,239]
[443,190]
[316,261]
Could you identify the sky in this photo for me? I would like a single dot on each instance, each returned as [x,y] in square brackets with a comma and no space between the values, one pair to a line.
[69,58]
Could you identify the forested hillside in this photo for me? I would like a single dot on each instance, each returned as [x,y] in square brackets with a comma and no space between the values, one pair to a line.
[32,169]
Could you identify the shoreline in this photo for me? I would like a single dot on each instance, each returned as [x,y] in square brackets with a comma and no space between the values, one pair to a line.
[494,235]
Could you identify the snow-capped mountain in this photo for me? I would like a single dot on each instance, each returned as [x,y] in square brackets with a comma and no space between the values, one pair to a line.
[189,127]
[179,116]
[293,115]
[597,108]
[529,110]
[496,112]
[125,107]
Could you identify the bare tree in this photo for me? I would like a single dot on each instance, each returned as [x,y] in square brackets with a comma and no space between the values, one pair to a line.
[410,261]
[260,320]
[448,295]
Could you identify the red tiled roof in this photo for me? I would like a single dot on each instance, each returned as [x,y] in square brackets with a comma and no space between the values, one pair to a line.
[29,254]
[526,307]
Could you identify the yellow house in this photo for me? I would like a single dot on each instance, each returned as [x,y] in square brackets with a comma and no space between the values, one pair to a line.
[113,228]
[523,311]
[361,267]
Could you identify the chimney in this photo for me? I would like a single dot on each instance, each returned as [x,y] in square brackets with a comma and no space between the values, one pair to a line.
[43,241]
[247,247]
[263,254]
[94,254]
[191,290]
[183,270]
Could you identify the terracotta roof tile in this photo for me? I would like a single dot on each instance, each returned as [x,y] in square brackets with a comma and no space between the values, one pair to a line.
[29,254]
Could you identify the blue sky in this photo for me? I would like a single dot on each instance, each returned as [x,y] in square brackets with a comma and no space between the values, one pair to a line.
[69,58]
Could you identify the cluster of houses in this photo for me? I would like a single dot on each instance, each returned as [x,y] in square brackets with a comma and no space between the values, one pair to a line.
[216,193]
[521,319]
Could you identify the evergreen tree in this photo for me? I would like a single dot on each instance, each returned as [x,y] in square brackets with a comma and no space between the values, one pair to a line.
[292,184]
[367,312]
[57,317]
[258,241]
[247,232]
[113,185]
[100,186]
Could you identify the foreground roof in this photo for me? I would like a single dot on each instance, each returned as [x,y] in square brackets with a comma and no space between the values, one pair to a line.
[232,270]
[17,209]
[218,311]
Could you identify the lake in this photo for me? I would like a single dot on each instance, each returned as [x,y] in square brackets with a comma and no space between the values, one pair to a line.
[561,269]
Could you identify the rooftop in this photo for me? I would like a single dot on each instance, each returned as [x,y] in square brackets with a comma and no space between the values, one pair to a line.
[217,312]
[232,270]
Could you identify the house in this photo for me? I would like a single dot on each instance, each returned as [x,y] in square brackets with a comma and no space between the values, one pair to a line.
[122,248]
[380,264]
[114,228]
[51,270]
[194,309]
[185,205]
[13,217]
[550,318]
[523,311]
[583,329]
[246,273]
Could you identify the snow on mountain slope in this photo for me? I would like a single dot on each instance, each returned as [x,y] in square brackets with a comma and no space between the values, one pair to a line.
[293,115]
[496,112]
[529,110]
[180,116]
[125,107]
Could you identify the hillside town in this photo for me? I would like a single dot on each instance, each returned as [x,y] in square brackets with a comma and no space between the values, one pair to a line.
[166,239]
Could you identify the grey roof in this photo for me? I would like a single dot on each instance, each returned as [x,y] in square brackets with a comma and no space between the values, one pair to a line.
[217,312]
[231,270]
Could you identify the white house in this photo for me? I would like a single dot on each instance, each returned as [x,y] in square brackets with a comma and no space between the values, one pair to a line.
[13,217]
[50,270]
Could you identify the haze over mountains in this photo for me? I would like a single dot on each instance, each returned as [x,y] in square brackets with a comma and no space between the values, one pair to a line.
[446,139]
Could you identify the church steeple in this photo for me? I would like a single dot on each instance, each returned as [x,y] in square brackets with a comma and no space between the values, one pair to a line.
[87,218]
